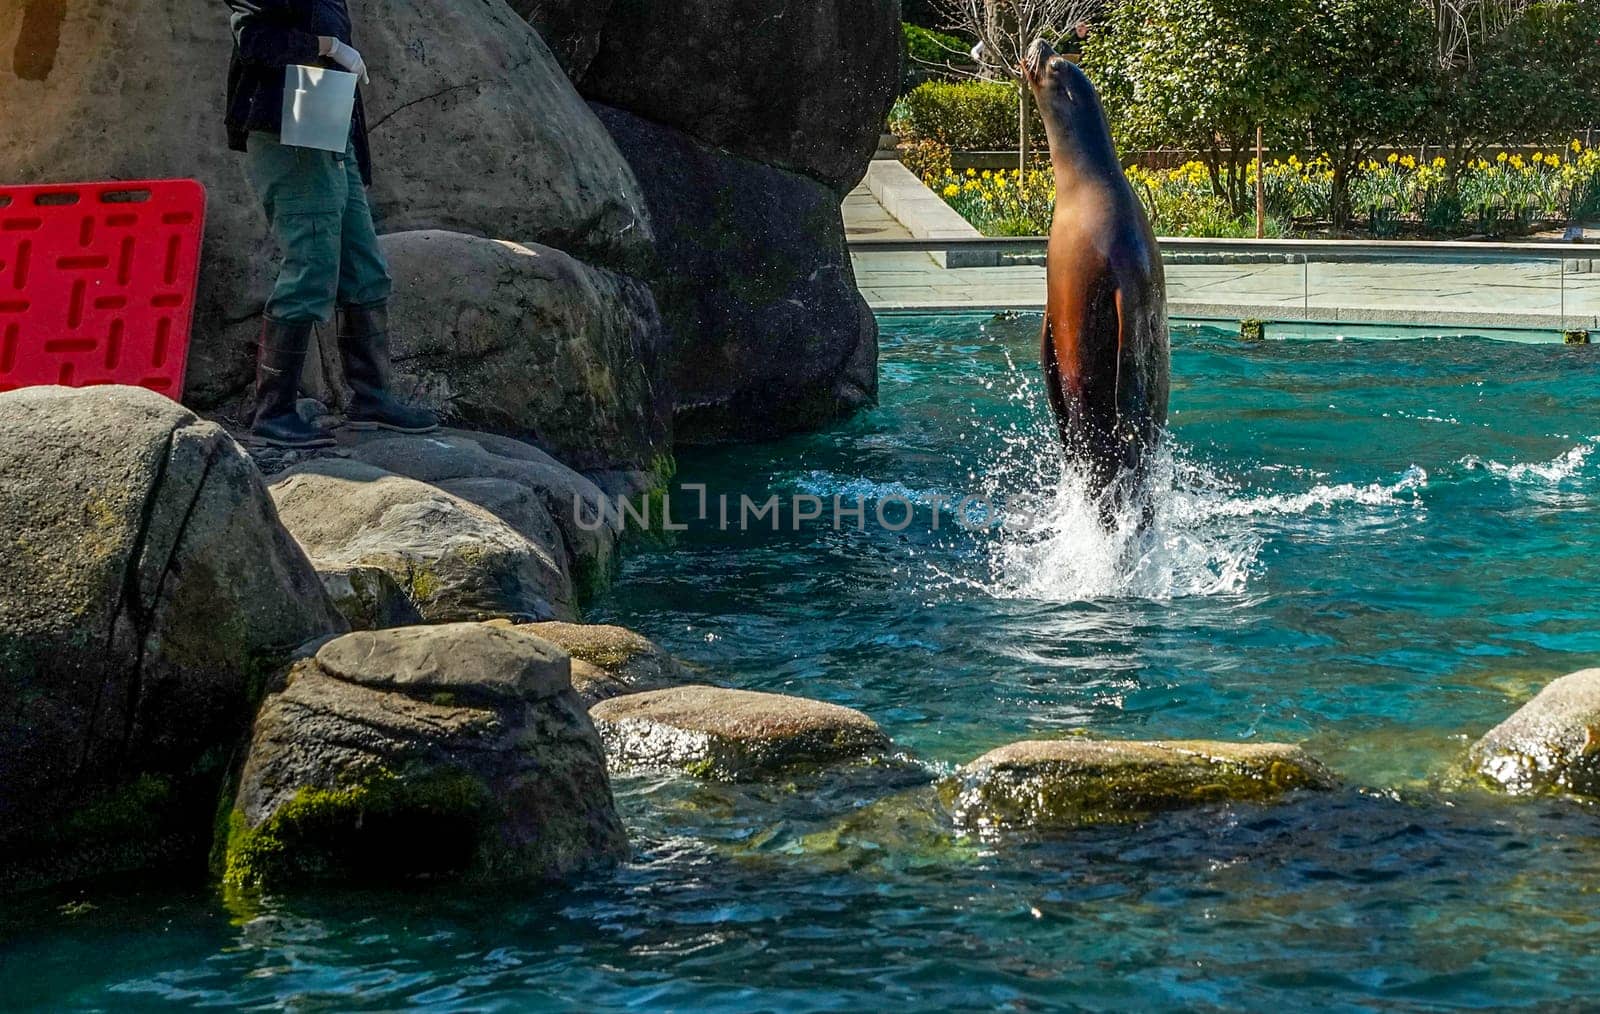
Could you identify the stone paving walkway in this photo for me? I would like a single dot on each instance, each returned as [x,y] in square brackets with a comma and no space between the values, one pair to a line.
[864,218]
[1461,290]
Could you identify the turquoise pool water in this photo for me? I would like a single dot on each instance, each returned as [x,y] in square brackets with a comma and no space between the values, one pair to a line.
[1376,548]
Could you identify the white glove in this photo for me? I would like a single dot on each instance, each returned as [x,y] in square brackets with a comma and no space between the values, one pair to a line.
[347,57]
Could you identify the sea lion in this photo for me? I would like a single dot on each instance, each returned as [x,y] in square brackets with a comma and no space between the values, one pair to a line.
[1105,347]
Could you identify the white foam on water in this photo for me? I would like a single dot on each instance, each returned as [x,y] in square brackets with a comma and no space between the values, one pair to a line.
[827,485]
[1546,473]
[1194,533]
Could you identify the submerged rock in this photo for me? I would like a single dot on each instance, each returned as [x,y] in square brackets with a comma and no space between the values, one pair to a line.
[454,751]
[611,661]
[904,831]
[455,560]
[1055,784]
[730,735]
[147,591]
[1551,743]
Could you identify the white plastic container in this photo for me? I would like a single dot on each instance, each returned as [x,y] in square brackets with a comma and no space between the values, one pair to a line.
[317,106]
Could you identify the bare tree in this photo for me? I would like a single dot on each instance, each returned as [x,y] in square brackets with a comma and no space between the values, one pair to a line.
[1004,30]
[1462,25]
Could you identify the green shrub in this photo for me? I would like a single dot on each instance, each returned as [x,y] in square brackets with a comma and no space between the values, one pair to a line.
[931,55]
[965,116]
[926,46]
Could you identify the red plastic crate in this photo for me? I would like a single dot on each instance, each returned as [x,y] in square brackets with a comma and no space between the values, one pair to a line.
[97,283]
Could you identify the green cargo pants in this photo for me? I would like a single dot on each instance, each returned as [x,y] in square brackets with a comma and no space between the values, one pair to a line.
[320,215]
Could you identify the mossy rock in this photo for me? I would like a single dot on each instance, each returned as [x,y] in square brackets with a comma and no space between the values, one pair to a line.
[370,598]
[1552,744]
[458,751]
[455,560]
[731,735]
[587,544]
[147,592]
[349,833]
[619,661]
[1058,784]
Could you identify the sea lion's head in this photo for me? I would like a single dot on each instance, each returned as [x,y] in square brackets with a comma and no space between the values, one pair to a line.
[1044,68]
[1068,103]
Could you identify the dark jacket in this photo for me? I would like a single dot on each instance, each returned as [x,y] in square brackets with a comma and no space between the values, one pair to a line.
[269,35]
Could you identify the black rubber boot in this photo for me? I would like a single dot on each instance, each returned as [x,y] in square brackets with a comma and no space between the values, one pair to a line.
[280,357]
[364,344]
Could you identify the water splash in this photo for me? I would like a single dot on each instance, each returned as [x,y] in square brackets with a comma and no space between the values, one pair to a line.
[1557,470]
[1195,533]
[1066,547]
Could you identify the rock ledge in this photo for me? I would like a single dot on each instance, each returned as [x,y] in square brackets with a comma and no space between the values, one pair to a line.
[610,661]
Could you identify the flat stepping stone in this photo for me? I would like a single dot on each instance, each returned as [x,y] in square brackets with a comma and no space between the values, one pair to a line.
[1551,744]
[730,735]
[1066,783]
[474,661]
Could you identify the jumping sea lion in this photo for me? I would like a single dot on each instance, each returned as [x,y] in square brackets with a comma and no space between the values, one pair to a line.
[1105,349]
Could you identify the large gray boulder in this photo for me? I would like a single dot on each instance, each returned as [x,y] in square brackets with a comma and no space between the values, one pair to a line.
[1067,783]
[454,751]
[731,735]
[767,331]
[455,560]
[570,27]
[147,590]
[520,338]
[475,129]
[369,598]
[563,501]
[103,98]
[1551,744]
[801,84]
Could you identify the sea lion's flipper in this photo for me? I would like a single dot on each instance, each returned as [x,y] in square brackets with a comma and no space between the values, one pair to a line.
[1133,399]
[1052,378]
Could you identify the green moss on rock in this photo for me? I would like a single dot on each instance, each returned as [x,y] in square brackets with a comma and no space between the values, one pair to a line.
[122,813]
[382,827]
[148,822]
